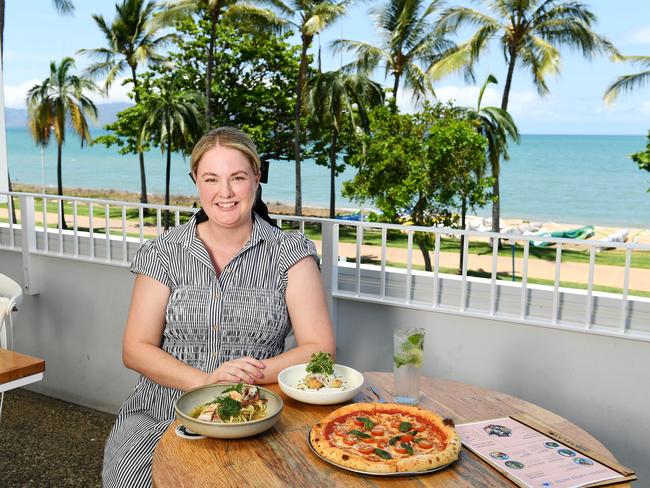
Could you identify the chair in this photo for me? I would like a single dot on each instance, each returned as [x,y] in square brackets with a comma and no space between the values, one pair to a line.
[11,296]
[13,293]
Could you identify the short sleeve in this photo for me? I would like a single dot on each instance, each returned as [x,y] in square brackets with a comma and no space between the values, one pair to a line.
[294,248]
[150,261]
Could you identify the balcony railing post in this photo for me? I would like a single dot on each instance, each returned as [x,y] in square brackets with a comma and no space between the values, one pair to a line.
[329,268]
[28,240]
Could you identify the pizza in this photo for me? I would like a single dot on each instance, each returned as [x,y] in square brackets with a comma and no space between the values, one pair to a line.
[385,438]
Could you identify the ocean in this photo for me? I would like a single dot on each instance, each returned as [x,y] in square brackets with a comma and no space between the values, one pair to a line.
[579,179]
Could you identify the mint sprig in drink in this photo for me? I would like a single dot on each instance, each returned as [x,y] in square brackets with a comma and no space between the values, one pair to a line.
[408,347]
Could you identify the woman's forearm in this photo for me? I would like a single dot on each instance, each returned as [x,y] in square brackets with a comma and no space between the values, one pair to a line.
[161,367]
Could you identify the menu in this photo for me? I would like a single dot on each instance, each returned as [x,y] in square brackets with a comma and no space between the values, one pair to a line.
[531,458]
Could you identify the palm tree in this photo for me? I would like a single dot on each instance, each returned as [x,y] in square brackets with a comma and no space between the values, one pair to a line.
[333,97]
[409,44]
[174,10]
[60,101]
[173,120]
[530,33]
[496,125]
[131,40]
[309,17]
[628,83]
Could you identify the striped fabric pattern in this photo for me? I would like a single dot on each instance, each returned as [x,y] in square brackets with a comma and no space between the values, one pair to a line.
[210,319]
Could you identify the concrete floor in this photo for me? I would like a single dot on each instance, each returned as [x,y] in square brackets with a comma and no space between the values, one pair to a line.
[46,442]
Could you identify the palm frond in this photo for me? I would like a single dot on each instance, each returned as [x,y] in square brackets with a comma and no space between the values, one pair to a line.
[624,84]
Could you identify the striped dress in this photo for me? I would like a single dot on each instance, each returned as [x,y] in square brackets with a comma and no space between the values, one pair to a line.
[209,319]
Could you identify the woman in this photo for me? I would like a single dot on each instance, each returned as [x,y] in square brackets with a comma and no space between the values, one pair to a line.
[213,300]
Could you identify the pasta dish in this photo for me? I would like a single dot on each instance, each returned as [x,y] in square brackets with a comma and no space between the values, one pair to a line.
[237,403]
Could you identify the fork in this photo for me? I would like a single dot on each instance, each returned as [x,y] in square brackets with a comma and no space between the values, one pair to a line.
[380,399]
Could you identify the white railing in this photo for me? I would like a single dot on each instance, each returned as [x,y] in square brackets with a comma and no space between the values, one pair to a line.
[123,234]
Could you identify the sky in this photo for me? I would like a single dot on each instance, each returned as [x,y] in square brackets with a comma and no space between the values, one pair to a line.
[35,35]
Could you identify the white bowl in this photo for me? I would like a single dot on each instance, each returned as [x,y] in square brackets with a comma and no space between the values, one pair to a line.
[191,399]
[289,379]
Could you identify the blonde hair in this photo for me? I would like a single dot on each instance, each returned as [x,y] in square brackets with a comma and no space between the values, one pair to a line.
[227,137]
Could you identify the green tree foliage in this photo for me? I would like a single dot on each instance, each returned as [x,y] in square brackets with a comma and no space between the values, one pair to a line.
[530,34]
[642,158]
[427,166]
[60,101]
[254,75]
[335,99]
[213,12]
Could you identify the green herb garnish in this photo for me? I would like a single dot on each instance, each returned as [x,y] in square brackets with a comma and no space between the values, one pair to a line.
[411,351]
[404,426]
[358,433]
[383,454]
[417,340]
[393,440]
[367,423]
[227,407]
[239,388]
[321,362]
[408,448]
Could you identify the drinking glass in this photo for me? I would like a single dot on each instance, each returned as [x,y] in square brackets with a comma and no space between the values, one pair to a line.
[408,349]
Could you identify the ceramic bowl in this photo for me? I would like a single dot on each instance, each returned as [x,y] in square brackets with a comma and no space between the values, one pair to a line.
[191,399]
[290,381]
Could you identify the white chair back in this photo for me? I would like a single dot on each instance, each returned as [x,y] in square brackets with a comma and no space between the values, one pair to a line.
[13,293]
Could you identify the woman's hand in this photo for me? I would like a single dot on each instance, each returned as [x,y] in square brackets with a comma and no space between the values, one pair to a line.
[244,369]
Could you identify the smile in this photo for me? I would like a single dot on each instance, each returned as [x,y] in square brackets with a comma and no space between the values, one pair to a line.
[226,204]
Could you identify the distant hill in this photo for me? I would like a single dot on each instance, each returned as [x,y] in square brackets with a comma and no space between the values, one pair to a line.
[16,118]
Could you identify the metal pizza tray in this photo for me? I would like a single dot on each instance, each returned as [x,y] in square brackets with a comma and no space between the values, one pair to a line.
[403,473]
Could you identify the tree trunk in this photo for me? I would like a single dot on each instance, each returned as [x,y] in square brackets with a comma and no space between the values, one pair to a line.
[302,73]
[143,176]
[463,214]
[333,175]
[214,18]
[496,202]
[425,254]
[167,175]
[395,87]
[59,185]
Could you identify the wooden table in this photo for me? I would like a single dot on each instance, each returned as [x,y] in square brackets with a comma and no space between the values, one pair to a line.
[18,369]
[281,457]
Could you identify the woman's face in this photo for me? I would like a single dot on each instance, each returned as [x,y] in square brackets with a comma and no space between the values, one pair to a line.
[227,185]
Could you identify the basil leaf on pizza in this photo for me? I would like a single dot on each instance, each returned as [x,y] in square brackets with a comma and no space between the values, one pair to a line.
[405,426]
[367,423]
[382,454]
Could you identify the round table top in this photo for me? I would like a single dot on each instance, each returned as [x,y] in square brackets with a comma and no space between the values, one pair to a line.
[281,456]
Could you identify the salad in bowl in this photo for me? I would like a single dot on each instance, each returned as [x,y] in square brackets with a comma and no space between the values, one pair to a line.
[321,381]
